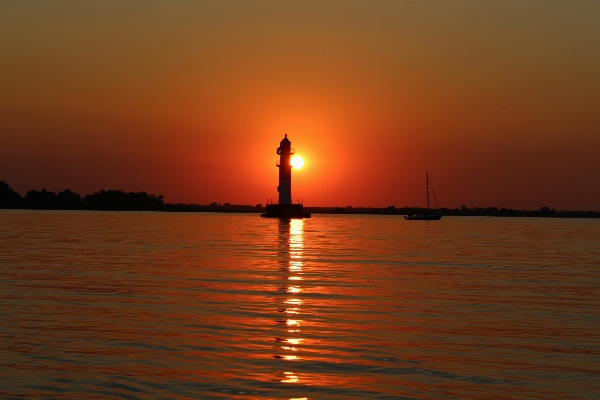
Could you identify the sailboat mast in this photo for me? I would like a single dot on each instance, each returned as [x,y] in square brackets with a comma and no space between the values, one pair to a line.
[427,188]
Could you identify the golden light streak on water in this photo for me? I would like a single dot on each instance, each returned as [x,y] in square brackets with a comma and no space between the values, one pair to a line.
[290,378]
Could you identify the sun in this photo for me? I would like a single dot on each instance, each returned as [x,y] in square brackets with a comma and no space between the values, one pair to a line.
[297,162]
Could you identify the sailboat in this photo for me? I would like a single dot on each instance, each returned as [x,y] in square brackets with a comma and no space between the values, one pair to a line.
[428,216]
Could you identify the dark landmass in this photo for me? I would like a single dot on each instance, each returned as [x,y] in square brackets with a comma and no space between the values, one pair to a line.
[68,200]
[117,200]
[106,200]
[463,211]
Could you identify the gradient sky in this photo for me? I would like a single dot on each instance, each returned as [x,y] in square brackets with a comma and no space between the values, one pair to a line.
[498,100]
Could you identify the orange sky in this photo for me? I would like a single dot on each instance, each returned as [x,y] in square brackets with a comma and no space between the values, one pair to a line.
[497,100]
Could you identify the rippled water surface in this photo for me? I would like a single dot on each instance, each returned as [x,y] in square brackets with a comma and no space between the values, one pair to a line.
[181,305]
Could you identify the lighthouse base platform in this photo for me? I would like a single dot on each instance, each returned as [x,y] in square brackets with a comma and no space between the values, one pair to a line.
[287,211]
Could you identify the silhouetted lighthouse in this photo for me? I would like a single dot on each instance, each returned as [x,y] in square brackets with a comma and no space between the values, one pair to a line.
[285,151]
[285,208]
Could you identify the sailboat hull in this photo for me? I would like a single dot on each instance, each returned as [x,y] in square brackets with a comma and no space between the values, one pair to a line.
[422,217]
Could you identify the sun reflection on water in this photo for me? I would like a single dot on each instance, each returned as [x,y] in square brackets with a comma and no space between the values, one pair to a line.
[291,243]
[290,378]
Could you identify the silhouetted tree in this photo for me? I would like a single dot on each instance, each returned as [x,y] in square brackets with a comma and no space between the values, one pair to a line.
[119,200]
[43,200]
[68,200]
[8,197]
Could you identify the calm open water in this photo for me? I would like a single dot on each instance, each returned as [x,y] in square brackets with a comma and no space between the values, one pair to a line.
[180,305]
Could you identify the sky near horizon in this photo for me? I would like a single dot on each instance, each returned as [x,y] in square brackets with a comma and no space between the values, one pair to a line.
[498,100]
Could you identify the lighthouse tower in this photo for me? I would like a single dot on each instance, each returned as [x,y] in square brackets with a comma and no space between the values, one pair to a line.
[285,208]
[285,171]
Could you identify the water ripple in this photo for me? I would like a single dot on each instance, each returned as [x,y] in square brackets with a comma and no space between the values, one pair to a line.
[134,305]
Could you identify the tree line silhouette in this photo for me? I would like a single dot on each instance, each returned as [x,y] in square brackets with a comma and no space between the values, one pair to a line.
[116,200]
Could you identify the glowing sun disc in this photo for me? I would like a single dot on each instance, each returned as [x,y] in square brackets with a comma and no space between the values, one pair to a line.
[297,162]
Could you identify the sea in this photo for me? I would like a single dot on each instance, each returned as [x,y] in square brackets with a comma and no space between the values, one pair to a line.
[137,305]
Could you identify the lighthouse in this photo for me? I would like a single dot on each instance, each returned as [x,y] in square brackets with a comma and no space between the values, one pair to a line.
[285,208]
[285,152]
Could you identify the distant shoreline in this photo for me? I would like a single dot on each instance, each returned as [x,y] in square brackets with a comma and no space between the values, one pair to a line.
[116,200]
[457,212]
